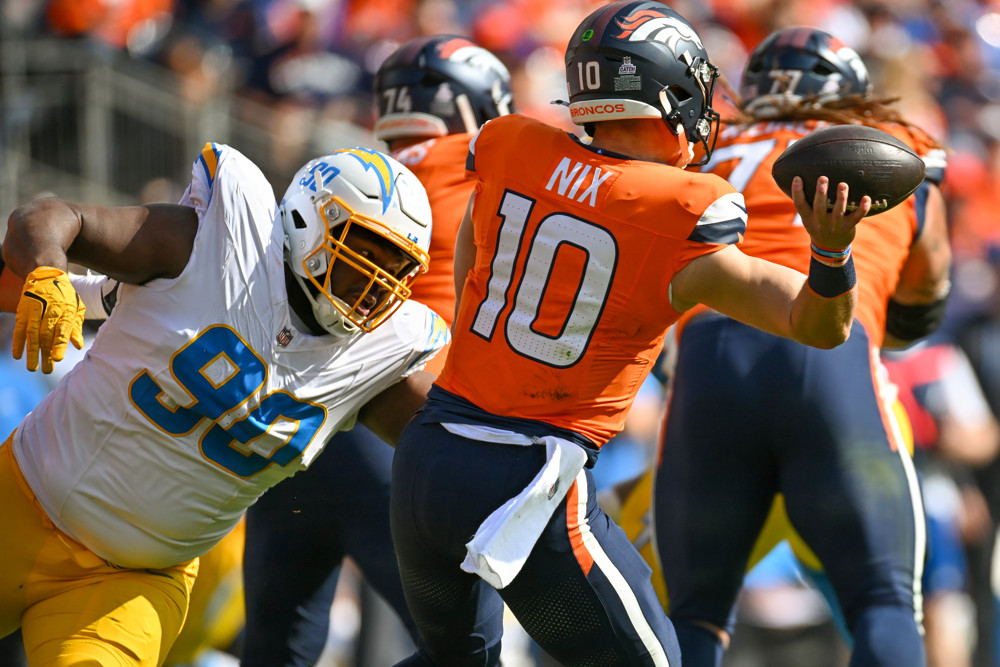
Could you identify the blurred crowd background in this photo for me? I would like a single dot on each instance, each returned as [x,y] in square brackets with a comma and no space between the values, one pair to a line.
[110,100]
[118,93]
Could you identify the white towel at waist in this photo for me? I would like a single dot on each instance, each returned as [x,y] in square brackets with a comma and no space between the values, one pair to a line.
[504,540]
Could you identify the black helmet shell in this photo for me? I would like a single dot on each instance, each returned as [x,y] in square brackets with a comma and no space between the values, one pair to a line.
[438,85]
[801,65]
[641,59]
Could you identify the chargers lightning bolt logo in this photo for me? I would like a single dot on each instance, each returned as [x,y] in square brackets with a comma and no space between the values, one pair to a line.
[321,173]
[375,161]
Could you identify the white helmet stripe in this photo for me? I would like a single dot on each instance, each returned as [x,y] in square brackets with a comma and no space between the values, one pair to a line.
[393,126]
[611,109]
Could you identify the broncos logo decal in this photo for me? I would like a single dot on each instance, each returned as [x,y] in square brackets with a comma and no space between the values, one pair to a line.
[652,26]
[463,51]
[447,49]
[375,161]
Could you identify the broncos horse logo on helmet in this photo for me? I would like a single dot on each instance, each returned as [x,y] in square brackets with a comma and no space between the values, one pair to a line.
[439,85]
[641,59]
[654,27]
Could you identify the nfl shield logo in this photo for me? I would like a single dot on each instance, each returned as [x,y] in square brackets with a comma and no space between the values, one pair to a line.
[284,337]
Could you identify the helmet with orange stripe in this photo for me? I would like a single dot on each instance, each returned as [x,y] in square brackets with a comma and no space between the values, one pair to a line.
[799,67]
[438,85]
[641,59]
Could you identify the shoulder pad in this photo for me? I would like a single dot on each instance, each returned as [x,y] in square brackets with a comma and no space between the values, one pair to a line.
[223,169]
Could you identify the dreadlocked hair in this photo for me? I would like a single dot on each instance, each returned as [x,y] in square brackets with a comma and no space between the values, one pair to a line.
[849,110]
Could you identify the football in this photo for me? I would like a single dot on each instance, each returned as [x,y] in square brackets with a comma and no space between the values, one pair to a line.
[870,161]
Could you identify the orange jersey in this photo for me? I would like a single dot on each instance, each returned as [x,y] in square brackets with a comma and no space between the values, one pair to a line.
[564,311]
[934,155]
[440,166]
[11,285]
[744,156]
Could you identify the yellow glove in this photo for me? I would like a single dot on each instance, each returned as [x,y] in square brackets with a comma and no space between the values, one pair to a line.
[49,316]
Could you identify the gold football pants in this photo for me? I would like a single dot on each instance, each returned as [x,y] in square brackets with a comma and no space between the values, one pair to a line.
[73,607]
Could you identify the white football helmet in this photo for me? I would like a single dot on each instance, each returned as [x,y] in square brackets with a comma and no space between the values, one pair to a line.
[327,197]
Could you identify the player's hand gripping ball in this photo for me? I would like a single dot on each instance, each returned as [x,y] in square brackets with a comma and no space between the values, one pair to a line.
[49,317]
[870,161]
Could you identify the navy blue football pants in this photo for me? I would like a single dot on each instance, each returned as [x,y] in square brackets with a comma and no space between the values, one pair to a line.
[752,415]
[297,535]
[584,593]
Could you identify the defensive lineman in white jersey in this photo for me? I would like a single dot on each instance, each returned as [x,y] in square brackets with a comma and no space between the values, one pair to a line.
[206,388]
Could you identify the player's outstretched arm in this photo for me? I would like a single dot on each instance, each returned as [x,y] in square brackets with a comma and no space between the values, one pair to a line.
[132,243]
[388,413]
[816,310]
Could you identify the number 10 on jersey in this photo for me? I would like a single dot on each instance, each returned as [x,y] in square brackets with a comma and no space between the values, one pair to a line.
[553,233]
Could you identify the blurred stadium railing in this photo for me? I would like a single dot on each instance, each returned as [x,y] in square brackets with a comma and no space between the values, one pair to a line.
[89,124]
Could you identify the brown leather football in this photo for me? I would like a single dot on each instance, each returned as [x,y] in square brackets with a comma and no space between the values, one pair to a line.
[870,161]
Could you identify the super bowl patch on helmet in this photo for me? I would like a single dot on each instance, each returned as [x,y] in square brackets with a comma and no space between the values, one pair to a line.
[641,59]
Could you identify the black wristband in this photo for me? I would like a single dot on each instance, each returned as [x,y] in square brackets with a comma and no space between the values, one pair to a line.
[831,281]
[913,322]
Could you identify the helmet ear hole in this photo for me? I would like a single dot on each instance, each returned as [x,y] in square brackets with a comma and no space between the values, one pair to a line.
[679,94]
[297,220]
[822,69]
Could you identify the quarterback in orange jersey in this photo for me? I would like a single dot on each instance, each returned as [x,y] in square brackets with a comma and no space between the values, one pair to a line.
[431,95]
[572,261]
[816,426]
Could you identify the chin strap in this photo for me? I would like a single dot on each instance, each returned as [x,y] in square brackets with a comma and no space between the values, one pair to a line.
[686,154]
[332,319]
[327,316]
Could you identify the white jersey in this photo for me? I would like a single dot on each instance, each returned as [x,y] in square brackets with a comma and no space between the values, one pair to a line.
[198,394]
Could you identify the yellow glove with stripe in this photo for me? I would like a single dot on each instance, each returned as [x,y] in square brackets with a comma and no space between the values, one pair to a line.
[49,317]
